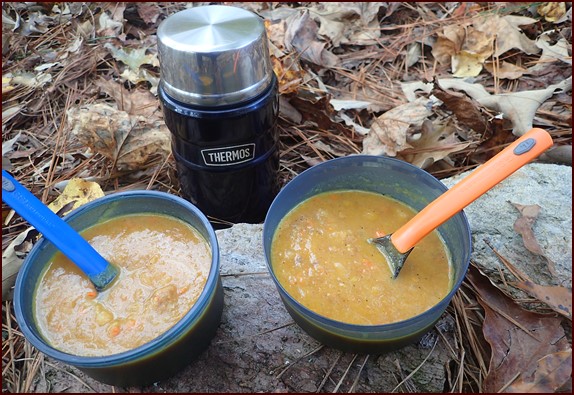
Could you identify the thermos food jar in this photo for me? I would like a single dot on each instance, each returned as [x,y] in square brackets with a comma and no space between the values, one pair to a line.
[219,96]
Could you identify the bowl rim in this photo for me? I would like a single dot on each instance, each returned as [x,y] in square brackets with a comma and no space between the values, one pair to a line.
[151,347]
[365,328]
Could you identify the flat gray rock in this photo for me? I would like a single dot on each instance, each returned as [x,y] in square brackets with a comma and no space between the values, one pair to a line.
[258,348]
[492,217]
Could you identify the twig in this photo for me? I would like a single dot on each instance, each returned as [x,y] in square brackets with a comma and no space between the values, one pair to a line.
[509,382]
[345,374]
[353,387]
[512,320]
[329,372]
[257,334]
[411,374]
[297,360]
[73,375]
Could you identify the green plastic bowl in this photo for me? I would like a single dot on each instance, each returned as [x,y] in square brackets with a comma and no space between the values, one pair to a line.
[391,177]
[163,356]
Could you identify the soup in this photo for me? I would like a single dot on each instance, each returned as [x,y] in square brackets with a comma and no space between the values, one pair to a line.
[321,256]
[164,264]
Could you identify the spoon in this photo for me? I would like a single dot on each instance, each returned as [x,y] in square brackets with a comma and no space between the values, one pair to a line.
[71,243]
[397,246]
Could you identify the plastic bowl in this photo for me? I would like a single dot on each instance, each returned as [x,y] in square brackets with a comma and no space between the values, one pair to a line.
[394,178]
[166,354]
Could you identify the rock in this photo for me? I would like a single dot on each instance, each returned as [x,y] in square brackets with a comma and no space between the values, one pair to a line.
[258,348]
[492,217]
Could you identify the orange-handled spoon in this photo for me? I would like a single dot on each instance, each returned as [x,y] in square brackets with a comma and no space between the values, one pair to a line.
[397,246]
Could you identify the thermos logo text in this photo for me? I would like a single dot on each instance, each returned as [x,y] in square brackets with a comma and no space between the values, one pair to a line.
[226,156]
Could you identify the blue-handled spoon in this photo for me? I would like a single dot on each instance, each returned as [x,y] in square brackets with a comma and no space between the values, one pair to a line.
[101,272]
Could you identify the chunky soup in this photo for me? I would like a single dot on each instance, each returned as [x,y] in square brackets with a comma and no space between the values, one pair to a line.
[321,256]
[164,264]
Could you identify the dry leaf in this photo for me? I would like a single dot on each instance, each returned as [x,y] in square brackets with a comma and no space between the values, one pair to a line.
[316,112]
[449,42]
[388,134]
[130,141]
[465,64]
[12,261]
[348,22]
[519,107]
[410,89]
[149,12]
[8,145]
[505,70]
[9,112]
[287,111]
[464,48]
[359,129]
[289,74]
[518,338]
[79,192]
[465,109]
[76,193]
[434,143]
[551,53]
[6,85]
[111,25]
[476,48]
[38,23]
[275,27]
[552,372]
[523,226]
[443,49]
[133,58]
[508,34]
[339,104]
[135,102]
[557,297]
[301,35]
[552,11]
[31,80]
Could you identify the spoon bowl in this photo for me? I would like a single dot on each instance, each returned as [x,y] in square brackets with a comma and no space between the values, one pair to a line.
[100,272]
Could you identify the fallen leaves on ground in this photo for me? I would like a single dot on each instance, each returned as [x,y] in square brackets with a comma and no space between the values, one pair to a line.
[519,339]
[518,107]
[557,297]
[434,143]
[551,373]
[129,141]
[441,85]
[388,134]
[76,193]
[523,226]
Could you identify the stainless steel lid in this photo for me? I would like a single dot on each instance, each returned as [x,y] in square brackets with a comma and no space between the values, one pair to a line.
[213,55]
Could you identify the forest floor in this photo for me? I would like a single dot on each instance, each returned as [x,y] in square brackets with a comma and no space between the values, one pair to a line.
[444,86]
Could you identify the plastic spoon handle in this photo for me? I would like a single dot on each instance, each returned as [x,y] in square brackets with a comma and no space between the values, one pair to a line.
[506,162]
[55,229]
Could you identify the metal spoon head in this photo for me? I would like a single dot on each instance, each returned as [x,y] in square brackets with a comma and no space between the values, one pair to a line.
[395,259]
[105,278]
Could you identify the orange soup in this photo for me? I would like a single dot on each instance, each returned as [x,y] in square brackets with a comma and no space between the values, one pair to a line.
[321,255]
[164,264]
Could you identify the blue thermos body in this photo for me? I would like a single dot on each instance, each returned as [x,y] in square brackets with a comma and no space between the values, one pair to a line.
[220,101]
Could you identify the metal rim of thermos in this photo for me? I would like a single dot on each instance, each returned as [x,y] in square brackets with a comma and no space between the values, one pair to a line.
[214,55]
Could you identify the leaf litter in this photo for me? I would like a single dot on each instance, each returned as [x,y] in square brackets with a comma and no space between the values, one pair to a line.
[444,86]
[519,339]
